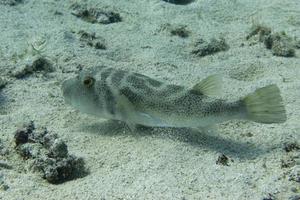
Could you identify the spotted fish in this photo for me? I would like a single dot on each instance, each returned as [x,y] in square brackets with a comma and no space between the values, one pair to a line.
[138,99]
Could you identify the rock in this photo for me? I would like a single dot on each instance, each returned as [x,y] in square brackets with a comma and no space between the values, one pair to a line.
[22,135]
[49,154]
[100,45]
[95,15]
[287,162]
[279,43]
[270,197]
[295,174]
[291,146]
[40,64]
[3,83]
[260,30]
[3,186]
[176,30]
[297,44]
[295,197]
[5,165]
[92,40]
[223,160]
[204,48]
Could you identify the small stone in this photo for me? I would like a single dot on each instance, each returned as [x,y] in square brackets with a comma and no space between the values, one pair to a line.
[21,137]
[295,197]
[223,160]
[100,45]
[280,44]
[260,30]
[4,187]
[294,189]
[92,40]
[58,13]
[287,162]
[204,48]
[42,64]
[180,30]
[270,197]
[295,174]
[3,83]
[95,15]
[248,134]
[4,165]
[297,44]
[3,151]
[291,146]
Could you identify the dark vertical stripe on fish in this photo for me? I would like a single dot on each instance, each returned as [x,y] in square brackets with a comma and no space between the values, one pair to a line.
[106,73]
[117,77]
[138,85]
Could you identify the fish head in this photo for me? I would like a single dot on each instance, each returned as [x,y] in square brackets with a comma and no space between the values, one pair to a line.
[80,92]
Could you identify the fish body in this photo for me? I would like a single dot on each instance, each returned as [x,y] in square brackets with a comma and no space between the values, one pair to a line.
[138,99]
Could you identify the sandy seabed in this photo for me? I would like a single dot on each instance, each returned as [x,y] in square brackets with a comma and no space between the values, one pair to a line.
[155,38]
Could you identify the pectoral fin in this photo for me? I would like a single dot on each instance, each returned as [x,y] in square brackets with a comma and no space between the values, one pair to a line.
[132,116]
[126,108]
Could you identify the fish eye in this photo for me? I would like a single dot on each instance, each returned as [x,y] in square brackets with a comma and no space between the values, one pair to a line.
[88,81]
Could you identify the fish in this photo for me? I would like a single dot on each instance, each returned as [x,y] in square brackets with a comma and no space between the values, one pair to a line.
[137,99]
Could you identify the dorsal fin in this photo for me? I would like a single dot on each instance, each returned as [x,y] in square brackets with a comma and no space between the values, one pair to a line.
[210,86]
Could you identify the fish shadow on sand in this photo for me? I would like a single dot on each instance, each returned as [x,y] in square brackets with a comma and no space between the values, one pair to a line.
[204,139]
[214,141]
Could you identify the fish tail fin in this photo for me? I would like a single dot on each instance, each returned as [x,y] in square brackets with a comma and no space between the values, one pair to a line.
[265,105]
